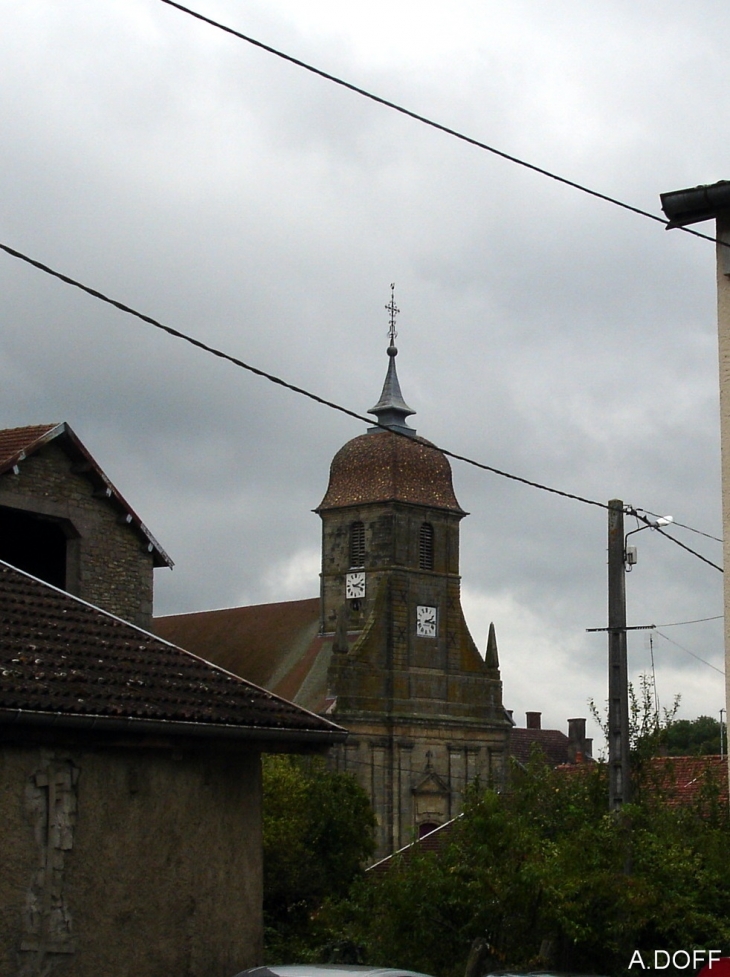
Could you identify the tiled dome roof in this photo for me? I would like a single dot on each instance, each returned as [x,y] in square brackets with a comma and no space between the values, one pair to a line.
[386,467]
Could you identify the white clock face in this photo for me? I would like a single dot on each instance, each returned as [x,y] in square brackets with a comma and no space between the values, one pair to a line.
[355,585]
[426,621]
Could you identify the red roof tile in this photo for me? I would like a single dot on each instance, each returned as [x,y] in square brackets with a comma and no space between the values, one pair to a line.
[273,645]
[16,442]
[685,779]
[62,657]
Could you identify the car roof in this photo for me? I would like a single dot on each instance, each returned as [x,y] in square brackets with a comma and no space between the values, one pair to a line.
[328,970]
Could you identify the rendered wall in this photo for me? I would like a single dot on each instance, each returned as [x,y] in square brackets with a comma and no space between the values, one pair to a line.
[121,862]
[723,327]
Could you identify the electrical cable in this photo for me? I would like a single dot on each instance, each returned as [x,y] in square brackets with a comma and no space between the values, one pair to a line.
[278,380]
[697,620]
[683,526]
[630,511]
[199,344]
[430,122]
[682,648]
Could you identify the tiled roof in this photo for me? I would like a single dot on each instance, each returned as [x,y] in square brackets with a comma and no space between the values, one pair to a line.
[386,467]
[61,657]
[551,742]
[276,646]
[685,779]
[17,443]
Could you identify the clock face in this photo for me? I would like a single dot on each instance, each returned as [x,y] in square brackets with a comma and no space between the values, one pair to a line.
[426,621]
[355,585]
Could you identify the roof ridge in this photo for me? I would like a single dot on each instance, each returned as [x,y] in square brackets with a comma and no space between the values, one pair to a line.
[235,607]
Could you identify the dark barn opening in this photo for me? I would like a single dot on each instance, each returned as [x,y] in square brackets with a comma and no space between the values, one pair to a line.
[33,544]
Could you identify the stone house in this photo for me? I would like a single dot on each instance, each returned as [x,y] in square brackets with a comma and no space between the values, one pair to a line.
[130,795]
[63,521]
[385,649]
[130,789]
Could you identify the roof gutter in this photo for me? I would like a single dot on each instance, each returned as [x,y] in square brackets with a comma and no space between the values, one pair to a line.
[316,737]
[695,204]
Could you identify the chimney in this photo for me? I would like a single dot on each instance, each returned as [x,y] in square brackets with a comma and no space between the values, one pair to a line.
[532,720]
[576,740]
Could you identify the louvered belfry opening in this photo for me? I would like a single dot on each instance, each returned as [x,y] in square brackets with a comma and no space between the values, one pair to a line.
[425,547]
[357,544]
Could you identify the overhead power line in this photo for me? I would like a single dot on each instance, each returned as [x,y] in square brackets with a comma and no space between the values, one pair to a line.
[431,122]
[697,620]
[682,648]
[630,511]
[272,378]
[683,526]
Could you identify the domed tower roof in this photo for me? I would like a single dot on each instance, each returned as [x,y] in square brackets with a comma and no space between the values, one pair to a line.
[381,466]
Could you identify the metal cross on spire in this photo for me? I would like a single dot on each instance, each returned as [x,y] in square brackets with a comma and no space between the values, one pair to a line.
[391,410]
[393,310]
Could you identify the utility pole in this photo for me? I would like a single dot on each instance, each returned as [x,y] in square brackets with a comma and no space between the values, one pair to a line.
[619,789]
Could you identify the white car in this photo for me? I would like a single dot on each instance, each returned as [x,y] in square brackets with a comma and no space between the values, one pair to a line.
[328,970]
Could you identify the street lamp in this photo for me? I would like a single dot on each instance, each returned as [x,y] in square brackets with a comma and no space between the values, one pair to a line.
[630,551]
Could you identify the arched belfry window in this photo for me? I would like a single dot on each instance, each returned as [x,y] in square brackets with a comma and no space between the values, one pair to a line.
[425,547]
[357,544]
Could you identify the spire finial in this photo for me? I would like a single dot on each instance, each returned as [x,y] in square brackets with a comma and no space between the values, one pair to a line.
[393,311]
[391,410]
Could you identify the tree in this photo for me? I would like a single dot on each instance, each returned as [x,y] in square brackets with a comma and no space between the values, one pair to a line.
[646,726]
[692,737]
[317,834]
[540,874]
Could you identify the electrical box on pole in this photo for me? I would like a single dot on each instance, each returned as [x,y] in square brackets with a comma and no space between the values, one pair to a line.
[619,790]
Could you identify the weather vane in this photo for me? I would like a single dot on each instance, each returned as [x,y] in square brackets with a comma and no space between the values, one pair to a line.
[393,309]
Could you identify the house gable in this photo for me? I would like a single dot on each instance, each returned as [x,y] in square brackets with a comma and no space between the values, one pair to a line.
[62,520]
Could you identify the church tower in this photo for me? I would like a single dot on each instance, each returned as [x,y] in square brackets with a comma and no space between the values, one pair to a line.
[423,708]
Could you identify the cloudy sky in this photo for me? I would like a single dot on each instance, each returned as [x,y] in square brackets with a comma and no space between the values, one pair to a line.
[266,211]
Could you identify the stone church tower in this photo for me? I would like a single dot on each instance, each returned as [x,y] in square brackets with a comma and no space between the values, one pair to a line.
[423,709]
[384,651]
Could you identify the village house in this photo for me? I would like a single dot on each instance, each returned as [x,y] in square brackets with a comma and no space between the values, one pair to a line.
[63,521]
[553,745]
[130,794]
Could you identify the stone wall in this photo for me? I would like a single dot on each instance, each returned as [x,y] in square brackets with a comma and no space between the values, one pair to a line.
[391,542]
[107,562]
[424,712]
[416,773]
[122,861]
